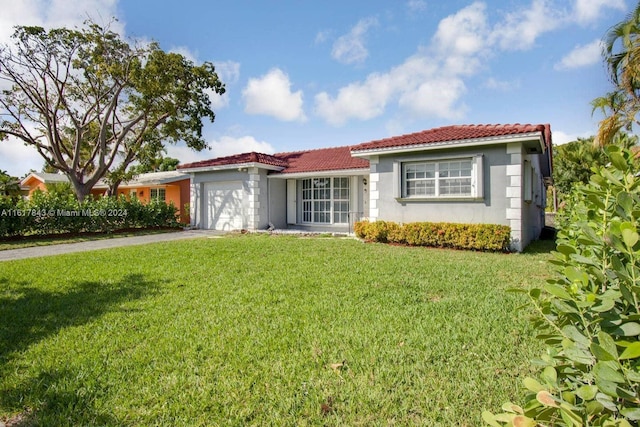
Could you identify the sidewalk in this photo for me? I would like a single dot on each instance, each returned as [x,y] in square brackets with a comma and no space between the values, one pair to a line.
[39,251]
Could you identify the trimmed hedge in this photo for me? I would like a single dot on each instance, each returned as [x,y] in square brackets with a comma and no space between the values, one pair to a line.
[51,213]
[480,237]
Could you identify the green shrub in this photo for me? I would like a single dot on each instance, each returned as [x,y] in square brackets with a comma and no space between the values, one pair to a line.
[484,237]
[57,212]
[589,315]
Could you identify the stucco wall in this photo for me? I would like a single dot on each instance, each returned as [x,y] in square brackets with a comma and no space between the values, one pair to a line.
[277,202]
[197,199]
[491,209]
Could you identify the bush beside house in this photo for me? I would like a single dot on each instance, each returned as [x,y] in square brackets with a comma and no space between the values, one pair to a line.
[57,213]
[481,237]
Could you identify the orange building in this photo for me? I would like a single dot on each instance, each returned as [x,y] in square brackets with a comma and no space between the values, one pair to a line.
[170,186]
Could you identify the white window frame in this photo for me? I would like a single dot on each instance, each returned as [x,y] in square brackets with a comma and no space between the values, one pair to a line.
[157,195]
[477,184]
[313,207]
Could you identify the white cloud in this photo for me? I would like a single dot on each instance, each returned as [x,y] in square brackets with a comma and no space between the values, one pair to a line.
[432,82]
[361,101]
[350,48]
[322,36]
[229,73]
[417,6]
[559,137]
[17,158]
[462,38]
[57,13]
[224,146]
[587,11]
[581,56]
[436,98]
[500,85]
[520,29]
[271,95]
[463,33]
[428,83]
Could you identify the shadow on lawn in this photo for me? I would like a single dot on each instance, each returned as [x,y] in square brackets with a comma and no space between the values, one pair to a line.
[36,314]
[31,315]
[61,400]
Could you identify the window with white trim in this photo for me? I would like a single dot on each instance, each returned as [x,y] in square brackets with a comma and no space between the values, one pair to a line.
[325,200]
[158,194]
[450,178]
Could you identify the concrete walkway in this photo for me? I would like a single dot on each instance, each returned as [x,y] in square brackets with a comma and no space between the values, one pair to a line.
[39,251]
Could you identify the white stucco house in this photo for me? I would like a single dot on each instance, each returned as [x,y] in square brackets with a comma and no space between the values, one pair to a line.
[466,174]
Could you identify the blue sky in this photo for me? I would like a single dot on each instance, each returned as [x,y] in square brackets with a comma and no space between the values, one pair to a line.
[310,74]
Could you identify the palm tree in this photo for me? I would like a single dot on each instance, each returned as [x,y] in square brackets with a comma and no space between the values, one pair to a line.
[621,53]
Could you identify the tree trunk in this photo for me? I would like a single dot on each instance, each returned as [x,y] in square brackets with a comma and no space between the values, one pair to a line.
[113,188]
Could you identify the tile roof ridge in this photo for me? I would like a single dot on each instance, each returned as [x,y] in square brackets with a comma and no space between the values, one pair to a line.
[314,149]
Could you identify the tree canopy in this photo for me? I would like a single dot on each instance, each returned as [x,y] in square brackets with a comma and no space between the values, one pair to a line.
[156,164]
[573,162]
[93,104]
[9,185]
[622,59]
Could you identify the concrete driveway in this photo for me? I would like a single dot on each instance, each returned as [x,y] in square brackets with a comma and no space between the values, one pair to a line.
[39,251]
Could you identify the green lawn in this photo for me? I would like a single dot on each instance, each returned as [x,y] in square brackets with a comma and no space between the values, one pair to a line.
[264,330]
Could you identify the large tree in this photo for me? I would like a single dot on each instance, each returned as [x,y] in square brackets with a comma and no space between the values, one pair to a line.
[573,162]
[92,103]
[622,58]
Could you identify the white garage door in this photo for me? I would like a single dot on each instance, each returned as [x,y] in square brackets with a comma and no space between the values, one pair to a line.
[223,201]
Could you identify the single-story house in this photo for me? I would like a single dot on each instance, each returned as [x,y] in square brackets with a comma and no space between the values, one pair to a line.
[466,174]
[170,186]
[40,180]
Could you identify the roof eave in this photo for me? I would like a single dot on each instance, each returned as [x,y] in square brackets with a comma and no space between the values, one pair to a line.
[232,166]
[332,172]
[494,140]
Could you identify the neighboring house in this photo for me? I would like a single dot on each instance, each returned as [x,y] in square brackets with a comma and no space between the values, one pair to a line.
[170,186]
[39,181]
[466,174]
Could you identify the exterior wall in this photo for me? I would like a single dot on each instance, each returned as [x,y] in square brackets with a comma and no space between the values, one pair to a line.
[252,202]
[526,196]
[489,209]
[277,195]
[259,199]
[514,192]
[184,186]
[534,206]
[512,183]
[358,206]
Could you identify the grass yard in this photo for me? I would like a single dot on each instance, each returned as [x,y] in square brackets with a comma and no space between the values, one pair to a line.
[264,330]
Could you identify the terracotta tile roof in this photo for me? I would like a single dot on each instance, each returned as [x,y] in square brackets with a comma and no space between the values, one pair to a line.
[323,159]
[456,133]
[340,158]
[251,157]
